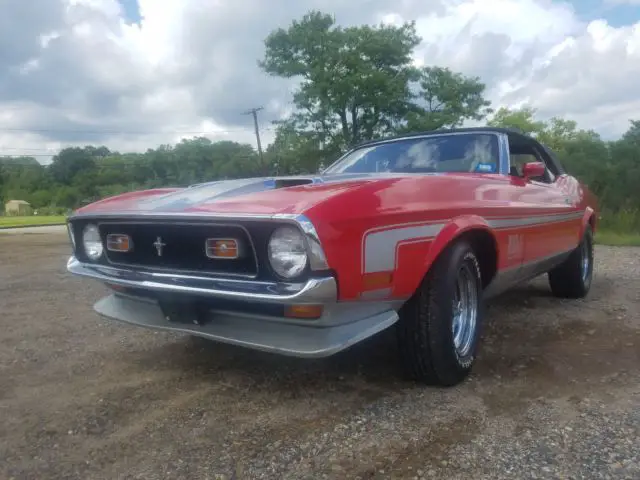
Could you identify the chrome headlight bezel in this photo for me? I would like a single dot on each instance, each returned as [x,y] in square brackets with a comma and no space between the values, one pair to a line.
[287,252]
[92,245]
[72,237]
[317,257]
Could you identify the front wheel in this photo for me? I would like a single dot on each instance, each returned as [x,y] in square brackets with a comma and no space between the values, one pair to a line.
[572,278]
[439,327]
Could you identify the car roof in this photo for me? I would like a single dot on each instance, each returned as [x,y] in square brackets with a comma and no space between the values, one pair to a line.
[512,132]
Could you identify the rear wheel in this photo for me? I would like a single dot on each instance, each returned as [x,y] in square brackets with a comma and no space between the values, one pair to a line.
[572,278]
[439,327]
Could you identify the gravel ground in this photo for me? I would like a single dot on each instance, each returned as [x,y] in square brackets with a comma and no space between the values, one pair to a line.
[556,392]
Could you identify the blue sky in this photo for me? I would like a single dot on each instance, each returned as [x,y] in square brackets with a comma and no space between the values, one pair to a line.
[615,14]
[131,10]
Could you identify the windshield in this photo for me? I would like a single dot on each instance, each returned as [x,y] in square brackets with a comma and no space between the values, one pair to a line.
[469,152]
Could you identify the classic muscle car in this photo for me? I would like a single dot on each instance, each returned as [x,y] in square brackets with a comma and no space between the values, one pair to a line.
[416,232]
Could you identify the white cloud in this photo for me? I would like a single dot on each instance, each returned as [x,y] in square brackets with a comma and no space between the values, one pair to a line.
[75,72]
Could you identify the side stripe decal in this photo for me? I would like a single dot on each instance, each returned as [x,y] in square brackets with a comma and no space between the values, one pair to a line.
[379,245]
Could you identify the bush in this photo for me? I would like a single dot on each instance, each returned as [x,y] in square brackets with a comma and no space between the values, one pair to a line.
[52,211]
[621,221]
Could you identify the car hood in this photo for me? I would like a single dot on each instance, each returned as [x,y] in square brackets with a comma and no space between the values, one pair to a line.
[265,195]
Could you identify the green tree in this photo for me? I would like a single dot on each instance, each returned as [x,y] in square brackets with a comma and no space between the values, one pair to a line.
[633,134]
[624,166]
[294,152]
[70,162]
[355,82]
[447,99]
[522,119]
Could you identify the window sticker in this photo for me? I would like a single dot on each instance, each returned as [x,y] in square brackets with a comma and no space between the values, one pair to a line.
[486,168]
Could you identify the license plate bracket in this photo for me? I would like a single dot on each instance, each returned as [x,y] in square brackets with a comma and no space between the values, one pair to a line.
[183,311]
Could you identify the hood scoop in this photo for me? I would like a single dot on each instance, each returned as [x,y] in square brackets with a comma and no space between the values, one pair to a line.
[294,182]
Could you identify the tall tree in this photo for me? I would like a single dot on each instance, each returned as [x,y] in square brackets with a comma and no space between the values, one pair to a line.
[294,152]
[633,134]
[447,99]
[522,119]
[73,161]
[354,81]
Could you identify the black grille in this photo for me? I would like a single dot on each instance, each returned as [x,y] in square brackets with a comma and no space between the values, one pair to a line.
[183,247]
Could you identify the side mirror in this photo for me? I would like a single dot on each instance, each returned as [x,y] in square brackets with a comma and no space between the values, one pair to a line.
[533,169]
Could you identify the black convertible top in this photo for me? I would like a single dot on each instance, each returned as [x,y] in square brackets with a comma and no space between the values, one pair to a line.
[512,132]
[515,136]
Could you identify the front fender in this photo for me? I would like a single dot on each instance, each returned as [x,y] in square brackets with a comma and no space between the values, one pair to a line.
[586,218]
[414,259]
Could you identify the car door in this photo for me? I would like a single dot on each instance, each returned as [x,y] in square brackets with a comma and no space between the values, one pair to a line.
[548,226]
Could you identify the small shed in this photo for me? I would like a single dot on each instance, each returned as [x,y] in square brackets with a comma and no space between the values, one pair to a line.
[18,208]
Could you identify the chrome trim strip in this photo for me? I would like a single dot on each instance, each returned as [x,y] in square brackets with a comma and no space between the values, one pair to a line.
[285,217]
[131,214]
[317,257]
[315,290]
[509,277]
[534,220]
[504,158]
[71,234]
[382,141]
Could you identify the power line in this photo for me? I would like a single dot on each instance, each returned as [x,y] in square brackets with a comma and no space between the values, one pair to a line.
[254,112]
[117,160]
[127,132]
[26,149]
[18,155]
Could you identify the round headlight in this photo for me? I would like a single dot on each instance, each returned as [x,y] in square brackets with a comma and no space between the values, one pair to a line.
[287,252]
[92,242]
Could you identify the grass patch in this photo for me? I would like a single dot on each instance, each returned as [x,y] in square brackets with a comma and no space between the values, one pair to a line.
[9,222]
[619,228]
[605,237]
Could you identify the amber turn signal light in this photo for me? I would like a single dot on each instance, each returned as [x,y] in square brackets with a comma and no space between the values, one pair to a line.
[373,281]
[310,312]
[222,248]
[117,242]
[117,288]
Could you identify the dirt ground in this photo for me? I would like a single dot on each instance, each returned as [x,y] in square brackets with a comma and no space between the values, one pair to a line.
[556,391]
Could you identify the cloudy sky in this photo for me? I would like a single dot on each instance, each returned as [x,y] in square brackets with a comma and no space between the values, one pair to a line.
[132,74]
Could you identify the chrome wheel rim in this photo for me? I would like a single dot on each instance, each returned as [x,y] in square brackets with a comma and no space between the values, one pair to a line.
[586,261]
[465,311]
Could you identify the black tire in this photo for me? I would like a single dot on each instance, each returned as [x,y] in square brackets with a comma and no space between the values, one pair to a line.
[425,328]
[571,279]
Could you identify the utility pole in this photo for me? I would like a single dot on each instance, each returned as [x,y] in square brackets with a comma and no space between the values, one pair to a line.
[254,112]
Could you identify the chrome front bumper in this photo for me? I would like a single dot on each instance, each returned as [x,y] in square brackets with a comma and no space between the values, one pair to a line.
[316,290]
[341,325]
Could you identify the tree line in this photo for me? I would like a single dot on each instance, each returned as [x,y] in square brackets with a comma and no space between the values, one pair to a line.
[355,84]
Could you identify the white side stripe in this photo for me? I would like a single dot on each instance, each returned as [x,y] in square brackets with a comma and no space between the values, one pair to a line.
[380,245]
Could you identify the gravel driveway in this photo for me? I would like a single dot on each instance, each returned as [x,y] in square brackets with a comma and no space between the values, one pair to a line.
[556,393]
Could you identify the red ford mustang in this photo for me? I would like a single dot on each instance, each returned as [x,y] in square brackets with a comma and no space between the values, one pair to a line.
[416,232]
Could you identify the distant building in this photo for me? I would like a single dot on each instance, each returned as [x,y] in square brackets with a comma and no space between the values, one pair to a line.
[17,207]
